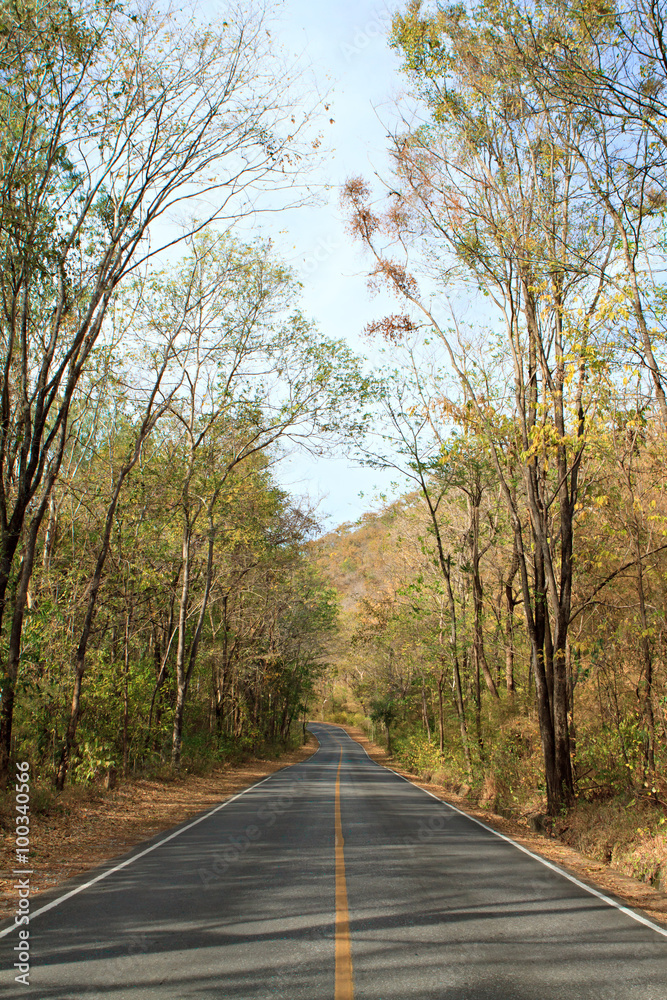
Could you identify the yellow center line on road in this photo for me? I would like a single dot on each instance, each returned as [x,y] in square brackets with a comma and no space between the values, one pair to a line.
[344,989]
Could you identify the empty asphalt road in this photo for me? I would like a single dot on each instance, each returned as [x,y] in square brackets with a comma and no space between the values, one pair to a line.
[332,880]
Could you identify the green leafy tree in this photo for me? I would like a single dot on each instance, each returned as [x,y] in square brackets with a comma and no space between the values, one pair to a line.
[112,119]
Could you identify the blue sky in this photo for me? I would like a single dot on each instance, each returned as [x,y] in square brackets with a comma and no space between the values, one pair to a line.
[345,46]
[342,48]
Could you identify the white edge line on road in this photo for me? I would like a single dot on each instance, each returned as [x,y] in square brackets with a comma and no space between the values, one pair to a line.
[141,854]
[543,861]
[548,864]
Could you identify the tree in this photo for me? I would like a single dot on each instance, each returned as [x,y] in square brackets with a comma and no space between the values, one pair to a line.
[493,189]
[415,440]
[607,66]
[254,374]
[161,359]
[113,119]
[384,710]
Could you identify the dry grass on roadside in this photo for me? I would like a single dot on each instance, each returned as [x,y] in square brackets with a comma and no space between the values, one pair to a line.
[631,836]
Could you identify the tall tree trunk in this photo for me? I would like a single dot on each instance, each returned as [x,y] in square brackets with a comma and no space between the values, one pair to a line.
[184,671]
[478,601]
[181,678]
[647,662]
[480,656]
[509,623]
[427,726]
[93,593]
[126,692]
[509,640]
[460,712]
[533,608]
[19,599]
[222,669]
[477,699]
[441,710]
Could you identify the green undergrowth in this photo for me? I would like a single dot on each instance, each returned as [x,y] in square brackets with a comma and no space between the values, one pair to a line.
[94,776]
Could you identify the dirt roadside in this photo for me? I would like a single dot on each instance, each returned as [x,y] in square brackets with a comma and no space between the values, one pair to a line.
[638,895]
[91,826]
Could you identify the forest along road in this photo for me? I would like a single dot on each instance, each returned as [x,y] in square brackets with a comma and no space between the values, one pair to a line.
[333,879]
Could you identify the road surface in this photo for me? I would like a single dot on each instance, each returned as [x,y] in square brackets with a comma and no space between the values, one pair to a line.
[335,879]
